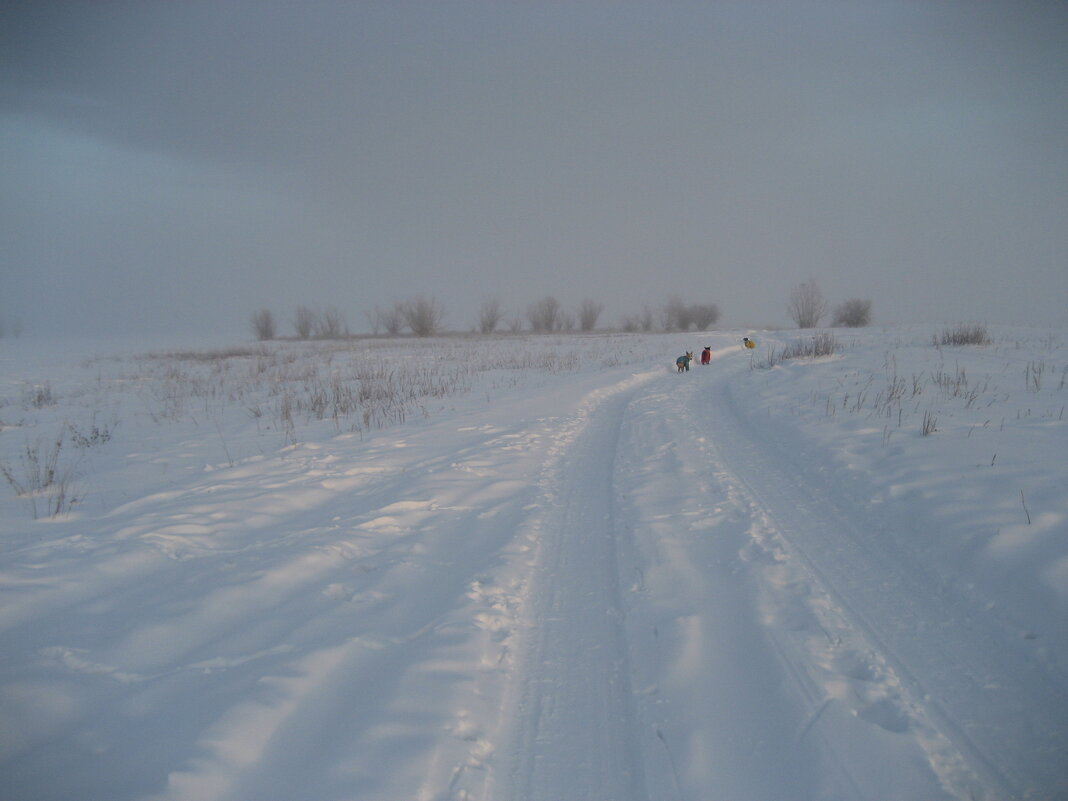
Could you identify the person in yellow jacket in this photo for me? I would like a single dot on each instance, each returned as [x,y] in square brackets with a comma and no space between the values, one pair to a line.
[748,343]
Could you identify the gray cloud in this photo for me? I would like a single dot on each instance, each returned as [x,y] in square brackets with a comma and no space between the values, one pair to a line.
[180,164]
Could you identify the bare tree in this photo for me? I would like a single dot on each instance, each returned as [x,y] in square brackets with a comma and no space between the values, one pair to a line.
[675,316]
[545,315]
[806,305]
[303,322]
[704,316]
[490,316]
[853,313]
[393,319]
[646,320]
[263,325]
[423,316]
[588,313]
[330,323]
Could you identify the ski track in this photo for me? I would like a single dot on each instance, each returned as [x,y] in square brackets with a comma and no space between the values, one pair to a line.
[645,598]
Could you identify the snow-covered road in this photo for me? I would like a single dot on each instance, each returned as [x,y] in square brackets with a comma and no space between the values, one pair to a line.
[681,646]
[626,586]
[948,667]
[712,616]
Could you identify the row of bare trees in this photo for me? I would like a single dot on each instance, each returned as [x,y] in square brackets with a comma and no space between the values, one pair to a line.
[674,315]
[807,307]
[308,323]
[548,315]
[424,316]
[421,315]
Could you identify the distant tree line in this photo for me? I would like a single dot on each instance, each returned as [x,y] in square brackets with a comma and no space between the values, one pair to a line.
[424,317]
[807,306]
[308,323]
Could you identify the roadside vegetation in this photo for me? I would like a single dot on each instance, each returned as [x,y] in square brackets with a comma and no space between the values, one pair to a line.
[254,399]
[821,344]
[272,393]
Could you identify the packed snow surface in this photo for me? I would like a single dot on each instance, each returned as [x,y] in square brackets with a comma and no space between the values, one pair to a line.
[536,569]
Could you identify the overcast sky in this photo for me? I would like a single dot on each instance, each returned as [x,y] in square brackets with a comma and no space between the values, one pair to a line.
[173,166]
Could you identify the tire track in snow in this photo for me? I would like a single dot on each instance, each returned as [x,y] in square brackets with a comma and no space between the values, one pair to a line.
[569,722]
[954,683]
[723,711]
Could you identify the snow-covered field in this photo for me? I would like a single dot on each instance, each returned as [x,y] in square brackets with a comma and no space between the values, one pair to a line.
[535,569]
